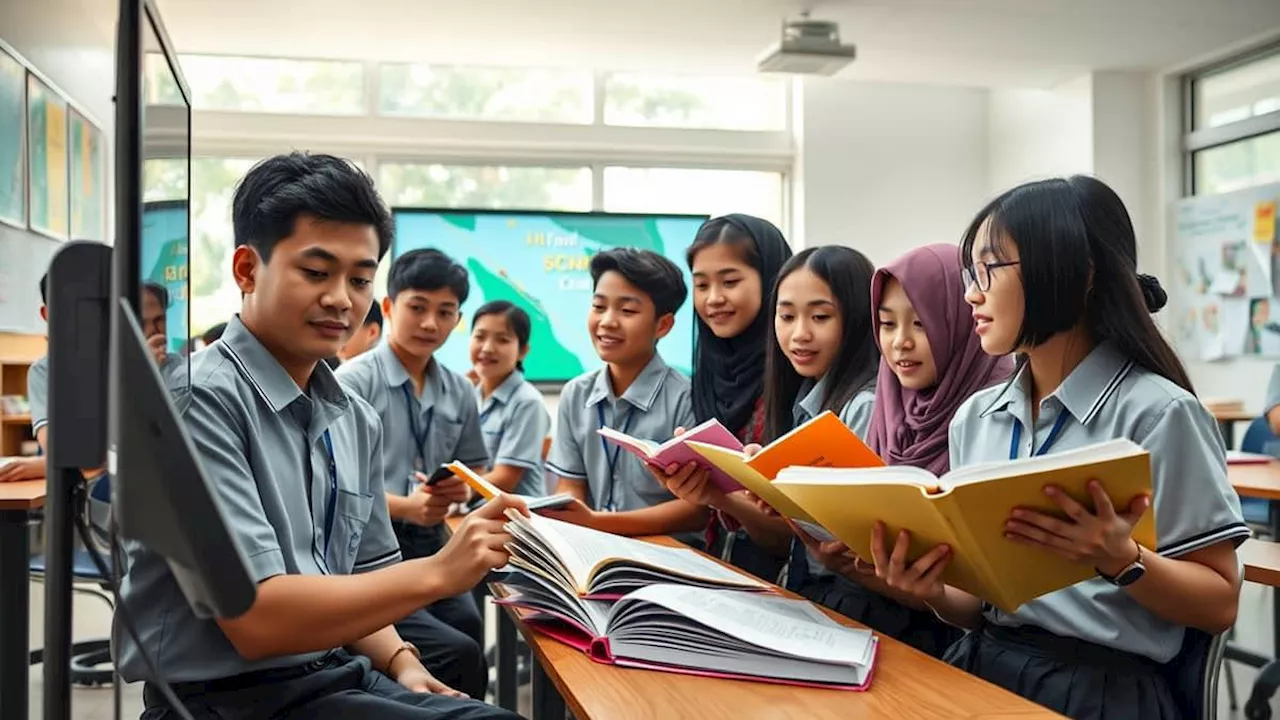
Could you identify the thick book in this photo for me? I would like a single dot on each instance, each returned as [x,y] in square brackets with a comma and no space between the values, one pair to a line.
[824,441]
[677,451]
[578,561]
[700,631]
[968,509]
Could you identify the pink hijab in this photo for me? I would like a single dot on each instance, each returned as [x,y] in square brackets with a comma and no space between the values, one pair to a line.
[909,427]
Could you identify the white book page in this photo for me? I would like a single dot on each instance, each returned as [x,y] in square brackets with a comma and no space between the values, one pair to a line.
[1097,452]
[895,474]
[685,561]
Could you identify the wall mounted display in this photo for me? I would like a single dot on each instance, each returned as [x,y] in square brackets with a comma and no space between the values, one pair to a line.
[88,176]
[49,205]
[13,125]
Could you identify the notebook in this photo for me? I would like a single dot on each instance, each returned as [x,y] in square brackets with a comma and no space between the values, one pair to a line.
[967,509]
[1239,457]
[823,441]
[677,451]
[702,631]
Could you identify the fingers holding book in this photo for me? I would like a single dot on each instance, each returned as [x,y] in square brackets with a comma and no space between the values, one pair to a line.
[1101,538]
[922,578]
[479,544]
[690,482]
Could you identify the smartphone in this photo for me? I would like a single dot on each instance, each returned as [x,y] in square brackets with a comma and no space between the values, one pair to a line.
[441,473]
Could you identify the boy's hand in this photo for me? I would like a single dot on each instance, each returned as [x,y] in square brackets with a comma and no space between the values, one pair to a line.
[477,546]
[575,512]
[156,344]
[424,508]
[451,488]
[24,468]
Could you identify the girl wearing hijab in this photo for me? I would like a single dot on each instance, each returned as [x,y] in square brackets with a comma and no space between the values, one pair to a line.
[931,362]
[734,260]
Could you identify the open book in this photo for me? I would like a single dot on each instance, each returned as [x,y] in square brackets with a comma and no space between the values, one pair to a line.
[677,450]
[968,508]
[489,491]
[700,631]
[822,442]
[579,561]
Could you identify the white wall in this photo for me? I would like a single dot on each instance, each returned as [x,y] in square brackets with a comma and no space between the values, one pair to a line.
[1034,134]
[886,168]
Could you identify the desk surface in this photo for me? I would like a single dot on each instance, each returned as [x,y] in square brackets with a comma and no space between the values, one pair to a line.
[1261,562]
[1256,480]
[907,684]
[25,495]
[1234,415]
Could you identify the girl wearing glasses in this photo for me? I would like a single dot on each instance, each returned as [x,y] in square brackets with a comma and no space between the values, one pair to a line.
[1052,275]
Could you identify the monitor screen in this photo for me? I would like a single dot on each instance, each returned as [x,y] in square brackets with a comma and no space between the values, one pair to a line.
[540,262]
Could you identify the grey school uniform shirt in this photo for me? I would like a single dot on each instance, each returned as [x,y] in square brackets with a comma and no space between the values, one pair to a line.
[38,393]
[658,402]
[419,433]
[262,443]
[856,415]
[515,423]
[1106,397]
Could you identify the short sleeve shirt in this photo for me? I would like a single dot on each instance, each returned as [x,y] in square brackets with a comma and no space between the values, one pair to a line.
[1108,396]
[515,424]
[38,393]
[264,445]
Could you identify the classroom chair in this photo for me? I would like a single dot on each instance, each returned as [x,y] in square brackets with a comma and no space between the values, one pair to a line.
[1258,438]
[1192,674]
[90,659]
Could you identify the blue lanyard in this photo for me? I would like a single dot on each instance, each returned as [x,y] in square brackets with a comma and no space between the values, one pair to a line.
[1016,440]
[418,440]
[612,459]
[332,501]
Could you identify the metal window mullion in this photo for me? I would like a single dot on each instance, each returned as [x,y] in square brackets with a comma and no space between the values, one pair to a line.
[1252,127]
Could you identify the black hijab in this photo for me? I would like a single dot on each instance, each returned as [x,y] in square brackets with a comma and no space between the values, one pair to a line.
[728,375]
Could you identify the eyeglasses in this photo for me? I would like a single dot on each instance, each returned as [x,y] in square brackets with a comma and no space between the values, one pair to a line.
[980,274]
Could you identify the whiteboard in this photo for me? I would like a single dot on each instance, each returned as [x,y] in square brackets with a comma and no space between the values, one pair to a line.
[1226,268]
[24,258]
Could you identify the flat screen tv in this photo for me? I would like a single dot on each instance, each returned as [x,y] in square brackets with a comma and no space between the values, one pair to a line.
[540,262]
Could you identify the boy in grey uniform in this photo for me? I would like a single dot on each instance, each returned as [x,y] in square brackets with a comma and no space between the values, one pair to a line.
[428,418]
[296,462]
[636,295]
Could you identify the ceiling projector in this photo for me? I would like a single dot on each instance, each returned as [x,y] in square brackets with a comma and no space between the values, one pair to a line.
[807,47]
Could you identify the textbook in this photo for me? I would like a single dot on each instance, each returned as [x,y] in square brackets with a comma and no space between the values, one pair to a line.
[1238,457]
[824,441]
[700,631]
[489,491]
[677,451]
[968,508]
[575,561]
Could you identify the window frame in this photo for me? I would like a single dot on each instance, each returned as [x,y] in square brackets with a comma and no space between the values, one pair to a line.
[1198,140]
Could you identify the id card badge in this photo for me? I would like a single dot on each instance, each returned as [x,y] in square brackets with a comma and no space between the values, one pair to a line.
[417,464]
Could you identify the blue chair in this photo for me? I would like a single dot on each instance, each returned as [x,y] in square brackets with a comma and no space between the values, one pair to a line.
[1258,438]
[90,659]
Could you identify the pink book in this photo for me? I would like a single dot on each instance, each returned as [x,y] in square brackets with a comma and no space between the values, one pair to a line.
[1237,457]
[708,632]
[677,451]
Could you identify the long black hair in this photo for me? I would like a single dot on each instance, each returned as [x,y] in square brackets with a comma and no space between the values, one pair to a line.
[517,320]
[1078,257]
[728,373]
[848,274]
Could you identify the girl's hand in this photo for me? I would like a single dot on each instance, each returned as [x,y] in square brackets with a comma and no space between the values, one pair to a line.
[922,578]
[1103,540]
[751,450]
[691,483]
[765,508]
[575,512]
[834,555]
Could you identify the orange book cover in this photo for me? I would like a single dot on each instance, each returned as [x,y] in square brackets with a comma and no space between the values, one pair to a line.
[822,442]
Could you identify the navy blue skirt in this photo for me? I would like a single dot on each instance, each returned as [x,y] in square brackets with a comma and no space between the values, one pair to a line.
[921,630]
[1078,679]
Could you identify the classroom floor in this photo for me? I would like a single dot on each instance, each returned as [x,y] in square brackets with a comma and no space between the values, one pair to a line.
[92,620]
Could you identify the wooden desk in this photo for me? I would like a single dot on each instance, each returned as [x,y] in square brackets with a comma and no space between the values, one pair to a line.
[1256,480]
[1261,562]
[16,500]
[907,684]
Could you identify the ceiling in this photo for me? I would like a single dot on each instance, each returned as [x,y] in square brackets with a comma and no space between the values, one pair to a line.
[987,43]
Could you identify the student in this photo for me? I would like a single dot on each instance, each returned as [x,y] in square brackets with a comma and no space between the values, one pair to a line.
[513,418]
[821,356]
[735,261]
[931,362]
[1051,269]
[274,429]
[429,418]
[366,337]
[636,295]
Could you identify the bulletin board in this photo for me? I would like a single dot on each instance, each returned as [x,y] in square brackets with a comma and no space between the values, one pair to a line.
[1226,266]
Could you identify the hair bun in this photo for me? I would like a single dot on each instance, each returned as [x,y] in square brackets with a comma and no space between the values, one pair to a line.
[1152,293]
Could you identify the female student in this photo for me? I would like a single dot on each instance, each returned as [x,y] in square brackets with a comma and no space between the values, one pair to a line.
[821,356]
[931,362]
[513,418]
[1051,271]
[735,260]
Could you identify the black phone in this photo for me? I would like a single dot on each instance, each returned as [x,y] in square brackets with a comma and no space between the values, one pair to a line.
[441,473]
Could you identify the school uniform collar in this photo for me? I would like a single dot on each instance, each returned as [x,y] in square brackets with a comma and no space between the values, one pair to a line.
[269,378]
[1085,390]
[641,394]
[809,399]
[501,394]
[395,374]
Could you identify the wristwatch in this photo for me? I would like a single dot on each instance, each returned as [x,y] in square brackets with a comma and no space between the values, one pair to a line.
[1130,574]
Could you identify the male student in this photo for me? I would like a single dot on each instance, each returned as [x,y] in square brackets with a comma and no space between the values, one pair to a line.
[366,337]
[636,295]
[429,418]
[280,441]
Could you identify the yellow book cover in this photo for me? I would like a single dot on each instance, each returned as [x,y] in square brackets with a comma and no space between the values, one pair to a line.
[967,509]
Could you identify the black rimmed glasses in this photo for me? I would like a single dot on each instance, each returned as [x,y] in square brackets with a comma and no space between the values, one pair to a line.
[980,274]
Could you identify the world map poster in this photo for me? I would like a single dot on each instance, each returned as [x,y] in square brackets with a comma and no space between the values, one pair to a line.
[47,151]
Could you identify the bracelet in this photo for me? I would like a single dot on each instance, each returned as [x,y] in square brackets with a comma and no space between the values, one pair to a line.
[404,647]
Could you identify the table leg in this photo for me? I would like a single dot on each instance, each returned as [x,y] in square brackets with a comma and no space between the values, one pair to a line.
[15,613]
[1228,430]
[547,703]
[507,657]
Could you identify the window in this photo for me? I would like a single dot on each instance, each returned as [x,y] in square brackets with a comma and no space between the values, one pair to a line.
[1238,165]
[1237,93]
[214,295]
[741,103]
[249,84]
[161,87]
[1234,125]
[694,191]
[512,94]
[478,186]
